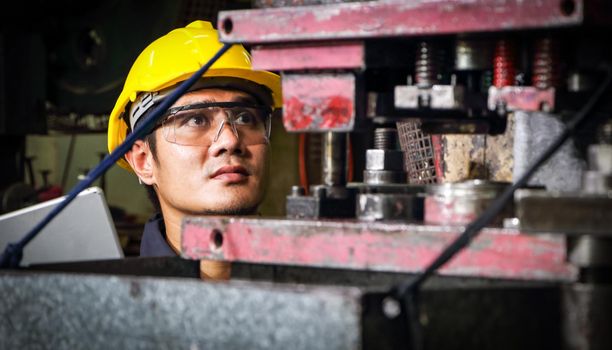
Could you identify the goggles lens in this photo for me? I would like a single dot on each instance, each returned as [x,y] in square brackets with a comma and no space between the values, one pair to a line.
[201,124]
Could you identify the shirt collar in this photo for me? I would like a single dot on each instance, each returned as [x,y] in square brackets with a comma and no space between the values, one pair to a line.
[153,242]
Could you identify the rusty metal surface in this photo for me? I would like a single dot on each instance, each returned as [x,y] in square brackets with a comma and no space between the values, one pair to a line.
[67,311]
[80,311]
[419,150]
[463,157]
[438,153]
[564,212]
[523,98]
[488,157]
[499,155]
[374,19]
[495,253]
[339,55]
[319,102]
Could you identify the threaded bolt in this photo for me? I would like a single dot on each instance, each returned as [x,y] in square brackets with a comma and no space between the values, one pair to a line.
[385,138]
[546,64]
[427,65]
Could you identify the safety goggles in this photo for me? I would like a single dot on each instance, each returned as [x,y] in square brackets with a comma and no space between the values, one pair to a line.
[201,124]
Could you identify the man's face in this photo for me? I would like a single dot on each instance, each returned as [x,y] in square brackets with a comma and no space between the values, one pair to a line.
[225,177]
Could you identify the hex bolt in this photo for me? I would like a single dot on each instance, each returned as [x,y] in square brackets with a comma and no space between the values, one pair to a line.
[385,138]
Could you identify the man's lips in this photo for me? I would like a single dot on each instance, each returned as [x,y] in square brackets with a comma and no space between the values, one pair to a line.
[230,173]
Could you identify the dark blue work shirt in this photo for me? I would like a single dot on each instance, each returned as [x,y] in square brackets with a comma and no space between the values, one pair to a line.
[153,242]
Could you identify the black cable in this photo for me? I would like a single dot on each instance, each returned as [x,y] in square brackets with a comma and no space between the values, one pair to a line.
[68,162]
[407,292]
[498,204]
[13,253]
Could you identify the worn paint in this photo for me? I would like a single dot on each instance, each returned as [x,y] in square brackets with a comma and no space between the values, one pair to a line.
[479,156]
[318,102]
[523,98]
[200,239]
[436,141]
[338,55]
[336,112]
[295,115]
[464,157]
[495,253]
[499,153]
[376,19]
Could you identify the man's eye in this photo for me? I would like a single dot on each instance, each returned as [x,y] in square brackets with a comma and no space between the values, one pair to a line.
[194,120]
[246,118]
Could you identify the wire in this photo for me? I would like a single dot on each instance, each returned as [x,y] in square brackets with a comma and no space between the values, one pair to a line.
[68,160]
[13,253]
[498,205]
[407,292]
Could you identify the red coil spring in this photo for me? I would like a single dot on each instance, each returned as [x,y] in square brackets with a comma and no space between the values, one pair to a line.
[504,70]
[546,64]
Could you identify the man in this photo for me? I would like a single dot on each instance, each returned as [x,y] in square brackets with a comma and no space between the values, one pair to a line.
[208,155]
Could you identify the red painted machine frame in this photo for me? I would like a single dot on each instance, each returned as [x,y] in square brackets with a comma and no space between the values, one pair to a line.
[319,102]
[393,18]
[391,247]
[305,43]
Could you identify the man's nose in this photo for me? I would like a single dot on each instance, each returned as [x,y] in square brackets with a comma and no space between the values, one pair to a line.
[226,139]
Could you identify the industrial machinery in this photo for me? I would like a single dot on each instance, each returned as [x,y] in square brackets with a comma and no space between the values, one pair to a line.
[426,114]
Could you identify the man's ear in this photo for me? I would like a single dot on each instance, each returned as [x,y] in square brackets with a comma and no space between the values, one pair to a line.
[141,160]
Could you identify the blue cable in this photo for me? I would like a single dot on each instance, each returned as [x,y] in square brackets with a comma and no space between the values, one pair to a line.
[13,253]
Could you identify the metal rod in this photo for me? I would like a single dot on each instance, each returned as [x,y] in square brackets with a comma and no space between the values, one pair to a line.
[334,159]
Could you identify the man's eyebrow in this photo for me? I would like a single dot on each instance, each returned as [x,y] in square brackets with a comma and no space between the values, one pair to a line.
[239,99]
[244,99]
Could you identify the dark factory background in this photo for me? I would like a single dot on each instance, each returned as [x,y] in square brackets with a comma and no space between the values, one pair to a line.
[441,178]
[62,66]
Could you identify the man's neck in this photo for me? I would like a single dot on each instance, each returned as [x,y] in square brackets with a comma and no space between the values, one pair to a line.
[172,222]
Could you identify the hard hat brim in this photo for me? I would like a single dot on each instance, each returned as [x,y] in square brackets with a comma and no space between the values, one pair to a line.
[118,128]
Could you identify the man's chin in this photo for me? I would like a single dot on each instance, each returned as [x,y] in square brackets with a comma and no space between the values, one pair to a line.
[234,208]
[230,211]
[228,201]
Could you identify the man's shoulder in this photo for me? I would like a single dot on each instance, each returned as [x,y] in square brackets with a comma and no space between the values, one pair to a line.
[153,242]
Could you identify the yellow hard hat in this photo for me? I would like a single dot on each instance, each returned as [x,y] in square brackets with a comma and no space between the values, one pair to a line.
[172,59]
